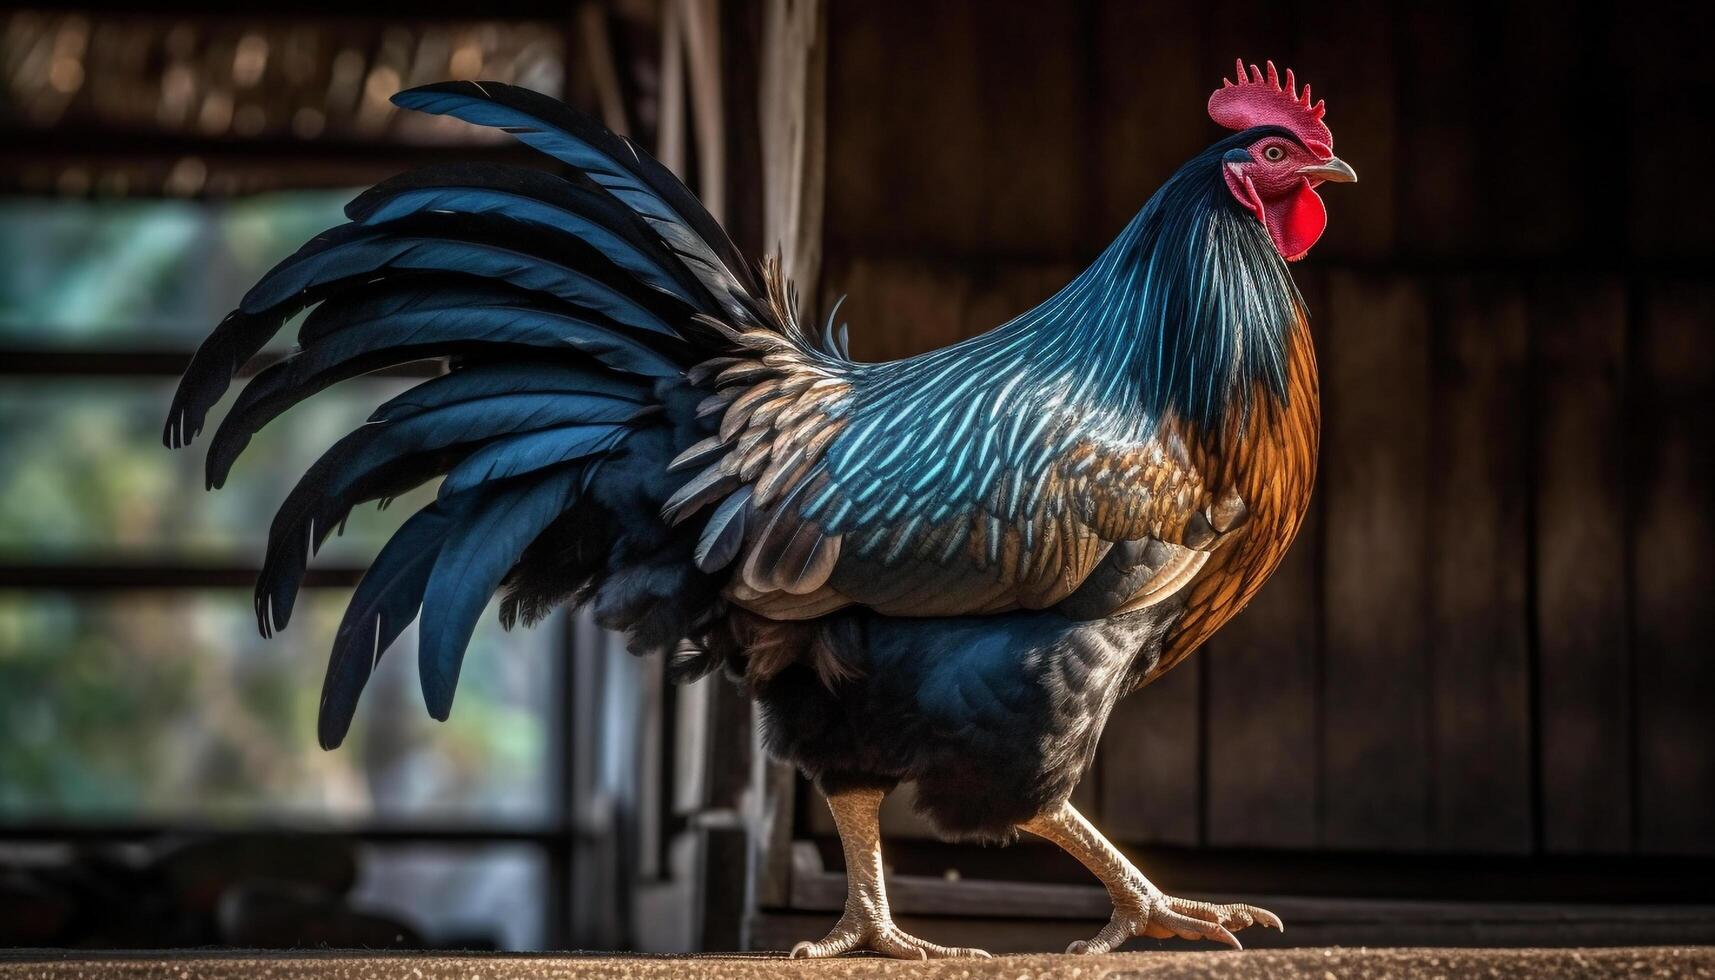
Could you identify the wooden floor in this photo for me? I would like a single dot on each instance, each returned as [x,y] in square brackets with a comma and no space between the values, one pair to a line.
[1309,964]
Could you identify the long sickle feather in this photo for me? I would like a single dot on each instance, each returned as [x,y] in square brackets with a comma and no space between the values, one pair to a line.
[634,177]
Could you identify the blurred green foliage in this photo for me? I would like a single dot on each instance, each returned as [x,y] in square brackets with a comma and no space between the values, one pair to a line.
[84,477]
[163,705]
[151,274]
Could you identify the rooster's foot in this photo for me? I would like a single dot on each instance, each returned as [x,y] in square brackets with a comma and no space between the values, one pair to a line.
[1161,916]
[867,923]
[1140,908]
[877,933]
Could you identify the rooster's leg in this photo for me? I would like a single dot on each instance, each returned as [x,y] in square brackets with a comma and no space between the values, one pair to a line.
[1140,908]
[867,923]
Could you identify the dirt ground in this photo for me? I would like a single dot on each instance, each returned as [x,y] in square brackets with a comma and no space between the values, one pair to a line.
[1293,964]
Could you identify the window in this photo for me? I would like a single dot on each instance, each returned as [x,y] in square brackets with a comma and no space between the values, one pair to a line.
[156,167]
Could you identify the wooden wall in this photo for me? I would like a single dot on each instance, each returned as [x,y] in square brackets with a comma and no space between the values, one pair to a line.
[1494,634]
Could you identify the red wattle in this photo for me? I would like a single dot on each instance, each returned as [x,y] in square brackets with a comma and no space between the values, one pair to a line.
[1295,221]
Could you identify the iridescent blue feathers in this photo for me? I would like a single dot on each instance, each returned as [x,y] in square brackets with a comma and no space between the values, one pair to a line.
[958,481]
[630,420]
[1182,317]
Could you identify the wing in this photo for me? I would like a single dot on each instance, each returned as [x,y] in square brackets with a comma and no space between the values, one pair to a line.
[949,484]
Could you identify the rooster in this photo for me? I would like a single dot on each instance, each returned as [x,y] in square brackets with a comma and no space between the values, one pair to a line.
[943,570]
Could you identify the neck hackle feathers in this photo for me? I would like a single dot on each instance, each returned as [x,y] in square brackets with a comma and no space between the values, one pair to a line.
[1260,99]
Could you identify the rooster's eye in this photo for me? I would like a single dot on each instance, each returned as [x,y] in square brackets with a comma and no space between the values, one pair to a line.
[1274,154]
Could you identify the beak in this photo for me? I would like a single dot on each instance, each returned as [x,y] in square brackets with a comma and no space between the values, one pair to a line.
[1333,170]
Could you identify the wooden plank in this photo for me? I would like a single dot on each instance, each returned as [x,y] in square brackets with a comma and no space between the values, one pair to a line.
[728,749]
[1375,685]
[1148,763]
[1388,929]
[1662,50]
[981,147]
[817,889]
[1674,440]
[1479,548]
[1033,117]
[1584,719]
[899,305]
[741,30]
[774,828]
[794,140]
[1142,139]
[1535,39]
[896,307]
[1261,673]
[779,932]
[1346,51]
[723,896]
[1442,189]
[903,146]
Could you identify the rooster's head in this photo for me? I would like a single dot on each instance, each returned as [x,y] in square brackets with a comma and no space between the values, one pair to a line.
[1276,176]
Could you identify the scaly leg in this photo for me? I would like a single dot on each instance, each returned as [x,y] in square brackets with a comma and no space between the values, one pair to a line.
[1140,908]
[867,923]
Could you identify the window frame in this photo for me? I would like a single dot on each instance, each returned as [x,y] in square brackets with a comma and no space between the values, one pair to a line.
[557,842]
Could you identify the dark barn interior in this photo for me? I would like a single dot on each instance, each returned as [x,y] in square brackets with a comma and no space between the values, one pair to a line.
[1472,708]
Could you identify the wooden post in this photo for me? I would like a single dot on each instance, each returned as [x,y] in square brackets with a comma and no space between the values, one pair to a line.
[791,113]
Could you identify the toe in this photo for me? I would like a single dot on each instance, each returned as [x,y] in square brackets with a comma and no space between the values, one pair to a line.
[1232,917]
[842,939]
[1164,917]
[1189,927]
[832,946]
[893,943]
[935,951]
[1119,929]
[1237,916]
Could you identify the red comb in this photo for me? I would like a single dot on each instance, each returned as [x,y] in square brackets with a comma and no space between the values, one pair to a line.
[1258,100]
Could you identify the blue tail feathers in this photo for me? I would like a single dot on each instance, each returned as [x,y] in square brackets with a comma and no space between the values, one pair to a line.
[566,307]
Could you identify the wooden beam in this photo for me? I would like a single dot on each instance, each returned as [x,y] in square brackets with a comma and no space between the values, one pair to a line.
[1673,464]
[1377,477]
[1479,547]
[792,112]
[1584,651]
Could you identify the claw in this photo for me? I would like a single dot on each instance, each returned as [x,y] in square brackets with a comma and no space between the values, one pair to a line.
[1163,917]
[1140,909]
[1221,934]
